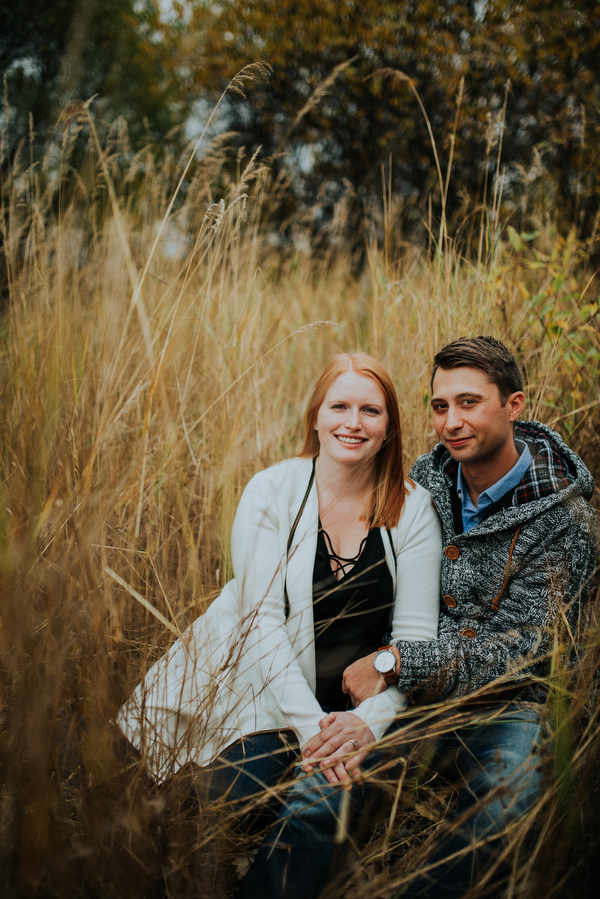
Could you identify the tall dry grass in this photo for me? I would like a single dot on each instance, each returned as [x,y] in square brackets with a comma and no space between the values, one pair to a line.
[154,355]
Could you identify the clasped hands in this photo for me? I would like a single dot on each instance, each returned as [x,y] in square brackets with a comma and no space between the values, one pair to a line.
[344,739]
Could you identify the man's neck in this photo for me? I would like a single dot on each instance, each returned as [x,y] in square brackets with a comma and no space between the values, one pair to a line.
[480,476]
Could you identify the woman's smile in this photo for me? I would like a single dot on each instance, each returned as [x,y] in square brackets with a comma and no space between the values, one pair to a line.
[351,441]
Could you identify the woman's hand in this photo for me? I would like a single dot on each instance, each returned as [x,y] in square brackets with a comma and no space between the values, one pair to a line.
[360,680]
[336,748]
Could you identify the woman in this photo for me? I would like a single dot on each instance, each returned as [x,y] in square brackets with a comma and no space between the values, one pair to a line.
[330,551]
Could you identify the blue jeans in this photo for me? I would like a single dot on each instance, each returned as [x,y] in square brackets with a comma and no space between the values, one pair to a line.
[499,775]
[312,821]
[498,764]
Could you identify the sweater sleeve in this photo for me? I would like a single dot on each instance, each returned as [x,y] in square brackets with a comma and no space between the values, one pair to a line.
[258,553]
[552,565]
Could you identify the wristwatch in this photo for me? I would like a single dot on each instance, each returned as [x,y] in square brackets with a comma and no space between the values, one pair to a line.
[385,663]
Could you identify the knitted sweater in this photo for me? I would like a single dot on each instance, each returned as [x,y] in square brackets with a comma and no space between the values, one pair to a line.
[547,578]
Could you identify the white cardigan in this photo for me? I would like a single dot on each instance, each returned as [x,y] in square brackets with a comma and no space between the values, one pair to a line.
[242,667]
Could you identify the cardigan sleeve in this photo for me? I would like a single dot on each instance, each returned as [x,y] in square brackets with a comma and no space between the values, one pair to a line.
[258,552]
[418,551]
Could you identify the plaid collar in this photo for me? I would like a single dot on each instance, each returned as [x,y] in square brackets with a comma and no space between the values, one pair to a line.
[548,473]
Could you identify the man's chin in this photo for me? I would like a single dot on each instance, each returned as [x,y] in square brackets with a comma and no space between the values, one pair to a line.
[460,450]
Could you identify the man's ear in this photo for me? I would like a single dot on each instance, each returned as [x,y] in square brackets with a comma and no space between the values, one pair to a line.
[515,403]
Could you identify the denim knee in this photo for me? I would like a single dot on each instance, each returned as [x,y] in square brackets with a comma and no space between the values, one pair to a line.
[500,764]
[314,805]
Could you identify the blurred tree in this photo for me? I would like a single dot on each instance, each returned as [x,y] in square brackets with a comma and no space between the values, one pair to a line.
[549,50]
[330,112]
[335,114]
[123,51]
[342,107]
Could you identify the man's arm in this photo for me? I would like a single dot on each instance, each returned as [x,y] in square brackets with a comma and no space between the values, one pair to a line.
[550,577]
[475,645]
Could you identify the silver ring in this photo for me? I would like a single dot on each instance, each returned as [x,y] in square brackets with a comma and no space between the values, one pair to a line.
[355,743]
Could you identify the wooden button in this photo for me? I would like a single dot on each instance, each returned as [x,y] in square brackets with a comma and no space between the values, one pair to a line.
[452,552]
[450,601]
[468,632]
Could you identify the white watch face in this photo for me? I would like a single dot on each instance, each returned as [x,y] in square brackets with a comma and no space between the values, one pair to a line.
[384,661]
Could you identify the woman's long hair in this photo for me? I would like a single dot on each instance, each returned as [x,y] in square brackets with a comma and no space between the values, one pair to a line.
[388,496]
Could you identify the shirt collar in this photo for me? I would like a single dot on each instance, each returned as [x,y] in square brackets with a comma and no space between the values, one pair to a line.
[508,482]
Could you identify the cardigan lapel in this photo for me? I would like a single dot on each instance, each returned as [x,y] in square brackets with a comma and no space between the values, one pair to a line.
[299,575]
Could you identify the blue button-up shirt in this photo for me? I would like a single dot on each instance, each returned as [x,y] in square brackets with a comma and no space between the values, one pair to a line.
[471,515]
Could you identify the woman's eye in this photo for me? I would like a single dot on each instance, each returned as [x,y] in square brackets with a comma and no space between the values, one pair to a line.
[372,411]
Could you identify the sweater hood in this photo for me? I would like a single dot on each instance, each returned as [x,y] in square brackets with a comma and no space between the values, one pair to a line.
[556,475]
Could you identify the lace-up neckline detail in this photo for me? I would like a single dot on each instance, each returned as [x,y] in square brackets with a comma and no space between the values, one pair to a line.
[340,565]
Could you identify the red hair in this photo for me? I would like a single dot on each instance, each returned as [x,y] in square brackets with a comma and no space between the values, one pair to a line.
[388,496]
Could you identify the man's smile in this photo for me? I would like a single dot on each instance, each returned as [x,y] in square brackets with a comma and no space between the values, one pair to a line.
[457,442]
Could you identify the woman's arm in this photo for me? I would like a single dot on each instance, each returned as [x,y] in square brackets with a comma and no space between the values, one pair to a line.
[259,538]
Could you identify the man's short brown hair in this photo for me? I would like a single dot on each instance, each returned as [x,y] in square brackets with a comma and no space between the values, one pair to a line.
[487,354]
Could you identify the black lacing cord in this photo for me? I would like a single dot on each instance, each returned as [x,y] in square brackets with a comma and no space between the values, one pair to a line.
[341,562]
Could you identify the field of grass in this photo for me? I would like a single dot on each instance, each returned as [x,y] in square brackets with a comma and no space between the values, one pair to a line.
[158,346]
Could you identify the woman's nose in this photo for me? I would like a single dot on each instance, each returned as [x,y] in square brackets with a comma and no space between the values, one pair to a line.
[353,419]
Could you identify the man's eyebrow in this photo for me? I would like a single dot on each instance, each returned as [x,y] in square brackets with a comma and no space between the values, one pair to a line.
[459,396]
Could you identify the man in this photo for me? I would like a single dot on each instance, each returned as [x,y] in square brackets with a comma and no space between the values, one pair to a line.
[520,543]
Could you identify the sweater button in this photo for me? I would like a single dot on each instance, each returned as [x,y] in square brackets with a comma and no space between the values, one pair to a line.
[452,552]
[468,632]
[450,601]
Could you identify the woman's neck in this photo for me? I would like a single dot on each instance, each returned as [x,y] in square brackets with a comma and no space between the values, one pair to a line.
[344,500]
[343,485]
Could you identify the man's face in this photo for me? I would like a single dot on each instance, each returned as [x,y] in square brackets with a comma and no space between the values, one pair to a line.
[469,417]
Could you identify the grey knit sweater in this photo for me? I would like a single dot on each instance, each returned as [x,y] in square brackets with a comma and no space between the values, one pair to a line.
[548,577]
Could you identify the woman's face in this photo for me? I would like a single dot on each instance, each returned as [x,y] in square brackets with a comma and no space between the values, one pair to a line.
[352,420]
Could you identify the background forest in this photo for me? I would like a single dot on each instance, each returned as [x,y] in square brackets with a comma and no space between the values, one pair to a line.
[344,101]
[199,203]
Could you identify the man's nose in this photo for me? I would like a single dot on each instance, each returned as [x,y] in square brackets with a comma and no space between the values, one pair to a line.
[453,418]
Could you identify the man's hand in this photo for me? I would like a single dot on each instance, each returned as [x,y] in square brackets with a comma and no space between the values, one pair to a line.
[360,680]
[335,750]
